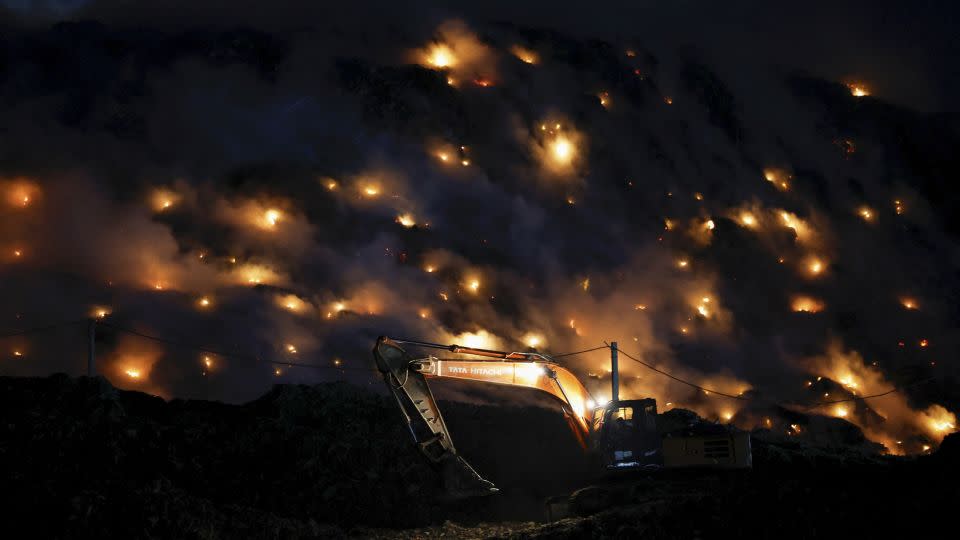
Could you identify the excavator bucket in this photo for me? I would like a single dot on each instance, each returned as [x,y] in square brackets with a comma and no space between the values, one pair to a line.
[425,422]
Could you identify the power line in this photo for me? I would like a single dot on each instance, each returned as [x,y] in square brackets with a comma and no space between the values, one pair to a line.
[678,379]
[39,329]
[578,352]
[859,398]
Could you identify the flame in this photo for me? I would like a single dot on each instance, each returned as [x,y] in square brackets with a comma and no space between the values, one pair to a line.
[204,302]
[806,304]
[909,303]
[562,150]
[271,217]
[815,266]
[866,213]
[534,340]
[778,177]
[100,312]
[370,189]
[747,219]
[20,193]
[604,98]
[290,302]
[858,89]
[407,220]
[440,55]
[163,199]
[473,284]
[527,56]
[480,339]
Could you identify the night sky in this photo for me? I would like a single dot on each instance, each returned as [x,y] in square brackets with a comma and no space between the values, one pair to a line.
[757,199]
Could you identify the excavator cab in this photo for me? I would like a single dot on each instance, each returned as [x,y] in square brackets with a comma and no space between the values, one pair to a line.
[624,434]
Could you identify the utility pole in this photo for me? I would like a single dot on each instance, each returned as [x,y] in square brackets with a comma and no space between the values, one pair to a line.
[91,351]
[614,373]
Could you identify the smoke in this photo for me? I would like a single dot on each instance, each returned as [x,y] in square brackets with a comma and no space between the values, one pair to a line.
[285,194]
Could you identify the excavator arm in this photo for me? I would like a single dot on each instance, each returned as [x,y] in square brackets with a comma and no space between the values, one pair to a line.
[406,377]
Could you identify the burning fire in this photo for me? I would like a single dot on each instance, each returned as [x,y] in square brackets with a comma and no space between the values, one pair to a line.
[909,303]
[406,220]
[290,302]
[480,339]
[20,193]
[440,55]
[866,213]
[525,55]
[806,304]
[472,284]
[533,340]
[778,177]
[858,89]
[815,266]
[163,199]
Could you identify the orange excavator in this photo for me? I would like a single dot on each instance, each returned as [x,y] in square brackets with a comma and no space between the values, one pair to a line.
[623,434]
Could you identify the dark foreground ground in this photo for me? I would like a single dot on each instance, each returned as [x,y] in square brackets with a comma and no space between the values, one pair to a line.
[81,459]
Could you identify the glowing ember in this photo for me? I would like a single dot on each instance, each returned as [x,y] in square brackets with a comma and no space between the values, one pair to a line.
[683,263]
[640,307]
[604,98]
[424,313]
[562,150]
[473,284]
[370,190]
[406,220]
[204,302]
[441,55]
[336,308]
[17,353]
[99,312]
[806,304]
[207,361]
[668,100]
[747,219]
[525,55]
[924,343]
[778,177]
[331,184]
[291,349]
[815,266]
[478,340]
[909,303]
[858,89]
[866,213]
[290,302]
[133,373]
[271,217]
[898,207]
[429,268]
[17,253]
[163,199]
[533,340]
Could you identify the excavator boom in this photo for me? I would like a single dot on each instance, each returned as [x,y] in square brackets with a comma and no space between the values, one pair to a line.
[406,377]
